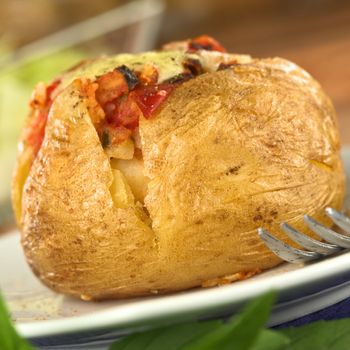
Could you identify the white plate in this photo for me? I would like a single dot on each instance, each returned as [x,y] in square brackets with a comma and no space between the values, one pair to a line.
[54,319]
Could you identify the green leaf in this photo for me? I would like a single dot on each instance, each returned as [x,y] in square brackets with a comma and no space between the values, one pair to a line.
[170,338]
[321,335]
[9,339]
[240,333]
[135,341]
[270,340]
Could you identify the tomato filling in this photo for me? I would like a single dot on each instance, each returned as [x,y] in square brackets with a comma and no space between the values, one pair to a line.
[119,98]
[205,42]
[125,96]
[149,98]
[41,103]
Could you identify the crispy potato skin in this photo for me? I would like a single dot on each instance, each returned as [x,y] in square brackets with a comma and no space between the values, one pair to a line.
[227,152]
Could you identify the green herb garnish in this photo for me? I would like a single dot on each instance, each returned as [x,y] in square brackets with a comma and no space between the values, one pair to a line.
[9,339]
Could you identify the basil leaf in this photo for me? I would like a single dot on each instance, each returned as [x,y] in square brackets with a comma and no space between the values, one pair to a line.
[170,338]
[9,339]
[321,335]
[270,340]
[240,333]
[135,341]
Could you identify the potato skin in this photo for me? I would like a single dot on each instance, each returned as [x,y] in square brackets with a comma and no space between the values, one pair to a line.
[226,153]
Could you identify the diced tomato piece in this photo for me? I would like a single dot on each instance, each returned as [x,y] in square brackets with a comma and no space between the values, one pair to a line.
[148,98]
[125,113]
[205,42]
[110,86]
[37,130]
[51,88]
[110,109]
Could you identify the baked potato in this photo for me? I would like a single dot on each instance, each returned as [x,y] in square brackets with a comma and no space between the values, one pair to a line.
[150,173]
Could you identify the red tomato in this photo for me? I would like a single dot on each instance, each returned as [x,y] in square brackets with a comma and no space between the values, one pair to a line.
[51,88]
[110,86]
[36,128]
[125,113]
[149,98]
[205,42]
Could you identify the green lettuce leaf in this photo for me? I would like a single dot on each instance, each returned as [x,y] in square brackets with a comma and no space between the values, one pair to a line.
[9,339]
[321,335]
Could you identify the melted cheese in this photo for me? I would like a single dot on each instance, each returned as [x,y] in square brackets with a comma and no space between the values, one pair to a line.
[168,63]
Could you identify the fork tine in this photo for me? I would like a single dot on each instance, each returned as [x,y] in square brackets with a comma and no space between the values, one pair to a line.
[327,234]
[308,242]
[285,251]
[339,219]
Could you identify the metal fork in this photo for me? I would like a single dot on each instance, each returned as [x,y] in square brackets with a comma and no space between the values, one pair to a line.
[335,241]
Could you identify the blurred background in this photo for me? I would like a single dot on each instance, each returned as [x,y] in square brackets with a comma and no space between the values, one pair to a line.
[40,38]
